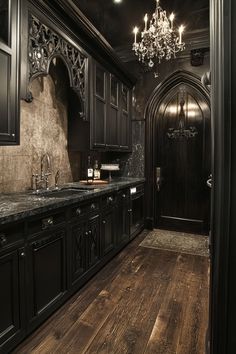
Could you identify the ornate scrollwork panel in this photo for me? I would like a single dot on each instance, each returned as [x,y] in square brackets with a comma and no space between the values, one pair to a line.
[45,44]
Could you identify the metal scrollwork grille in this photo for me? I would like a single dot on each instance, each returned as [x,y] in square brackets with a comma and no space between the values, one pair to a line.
[44,44]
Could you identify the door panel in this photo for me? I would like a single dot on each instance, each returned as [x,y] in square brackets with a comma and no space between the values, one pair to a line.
[182,152]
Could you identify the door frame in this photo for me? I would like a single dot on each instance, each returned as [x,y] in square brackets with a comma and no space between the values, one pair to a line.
[175,79]
[223,227]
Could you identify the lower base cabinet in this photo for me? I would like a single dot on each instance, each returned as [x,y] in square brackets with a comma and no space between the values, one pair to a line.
[123,217]
[46,274]
[108,231]
[12,319]
[45,259]
[85,247]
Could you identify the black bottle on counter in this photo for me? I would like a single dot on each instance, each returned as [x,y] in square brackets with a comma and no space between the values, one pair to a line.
[90,173]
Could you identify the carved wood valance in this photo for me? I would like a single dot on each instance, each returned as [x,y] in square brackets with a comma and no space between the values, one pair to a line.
[43,45]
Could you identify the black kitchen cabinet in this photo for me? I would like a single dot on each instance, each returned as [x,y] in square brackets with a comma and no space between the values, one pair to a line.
[47,274]
[136,210]
[113,114]
[111,120]
[9,72]
[46,258]
[12,267]
[109,128]
[100,98]
[125,118]
[108,230]
[123,215]
[77,249]
[85,246]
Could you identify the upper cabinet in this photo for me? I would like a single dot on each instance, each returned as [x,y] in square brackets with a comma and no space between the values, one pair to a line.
[9,72]
[111,112]
[109,127]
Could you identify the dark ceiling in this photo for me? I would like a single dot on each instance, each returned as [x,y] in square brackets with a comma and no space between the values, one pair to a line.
[115,21]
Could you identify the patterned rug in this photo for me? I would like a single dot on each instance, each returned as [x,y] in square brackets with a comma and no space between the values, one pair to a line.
[177,242]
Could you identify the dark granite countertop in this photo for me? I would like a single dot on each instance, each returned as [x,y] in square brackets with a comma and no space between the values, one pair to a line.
[17,206]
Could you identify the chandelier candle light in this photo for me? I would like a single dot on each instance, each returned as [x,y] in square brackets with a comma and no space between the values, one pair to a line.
[159,41]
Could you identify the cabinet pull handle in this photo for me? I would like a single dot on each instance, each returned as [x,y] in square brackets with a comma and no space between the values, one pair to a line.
[46,223]
[93,206]
[3,240]
[78,211]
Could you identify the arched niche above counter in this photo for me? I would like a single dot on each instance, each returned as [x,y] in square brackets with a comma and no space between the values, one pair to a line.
[45,44]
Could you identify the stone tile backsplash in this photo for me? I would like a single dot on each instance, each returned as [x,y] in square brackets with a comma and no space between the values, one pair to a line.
[43,129]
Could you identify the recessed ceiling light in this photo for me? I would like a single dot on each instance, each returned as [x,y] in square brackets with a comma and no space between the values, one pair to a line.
[117,1]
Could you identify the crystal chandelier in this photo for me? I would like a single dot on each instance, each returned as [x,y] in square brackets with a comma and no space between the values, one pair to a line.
[159,41]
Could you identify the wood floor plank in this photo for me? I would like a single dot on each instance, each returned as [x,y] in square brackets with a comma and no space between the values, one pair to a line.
[144,301]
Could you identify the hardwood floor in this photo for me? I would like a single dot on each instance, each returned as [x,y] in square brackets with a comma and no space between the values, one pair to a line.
[143,301]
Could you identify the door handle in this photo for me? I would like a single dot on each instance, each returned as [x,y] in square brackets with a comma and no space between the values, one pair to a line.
[158,178]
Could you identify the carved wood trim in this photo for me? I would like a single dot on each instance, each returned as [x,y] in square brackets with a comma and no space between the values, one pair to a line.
[44,44]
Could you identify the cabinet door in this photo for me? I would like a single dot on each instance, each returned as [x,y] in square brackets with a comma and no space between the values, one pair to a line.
[92,237]
[9,71]
[123,215]
[77,251]
[125,119]
[11,295]
[100,107]
[112,121]
[108,231]
[47,274]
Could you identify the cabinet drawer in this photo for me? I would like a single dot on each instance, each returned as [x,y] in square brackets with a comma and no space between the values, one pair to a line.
[11,234]
[84,209]
[109,200]
[46,222]
[123,195]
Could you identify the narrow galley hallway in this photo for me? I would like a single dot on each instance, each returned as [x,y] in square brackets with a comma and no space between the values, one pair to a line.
[144,301]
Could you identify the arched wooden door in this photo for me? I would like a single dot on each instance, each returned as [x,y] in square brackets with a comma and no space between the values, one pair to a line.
[182,160]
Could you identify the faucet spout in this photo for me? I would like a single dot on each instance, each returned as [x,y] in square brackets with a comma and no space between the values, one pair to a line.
[45,164]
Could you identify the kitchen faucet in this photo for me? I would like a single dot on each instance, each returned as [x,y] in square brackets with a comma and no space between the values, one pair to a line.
[44,173]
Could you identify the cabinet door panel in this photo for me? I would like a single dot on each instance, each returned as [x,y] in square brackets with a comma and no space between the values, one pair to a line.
[99,123]
[93,242]
[78,260]
[47,273]
[123,226]
[108,231]
[124,130]
[4,93]
[4,20]
[10,319]
[9,72]
[112,128]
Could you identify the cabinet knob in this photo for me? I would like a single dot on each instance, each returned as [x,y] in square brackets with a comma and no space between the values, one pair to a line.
[3,240]
[22,254]
[46,223]
[90,232]
[93,206]
[86,233]
[124,196]
[104,222]
[78,211]
[130,210]
[110,199]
